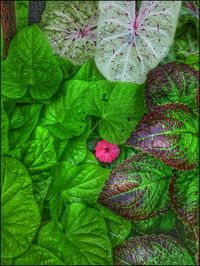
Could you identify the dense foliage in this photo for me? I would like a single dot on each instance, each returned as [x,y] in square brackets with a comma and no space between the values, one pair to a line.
[63,200]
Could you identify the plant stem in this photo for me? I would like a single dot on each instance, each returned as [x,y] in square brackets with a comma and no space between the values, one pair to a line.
[36,9]
[8,21]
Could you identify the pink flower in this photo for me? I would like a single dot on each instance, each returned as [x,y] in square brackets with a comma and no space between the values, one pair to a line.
[106,152]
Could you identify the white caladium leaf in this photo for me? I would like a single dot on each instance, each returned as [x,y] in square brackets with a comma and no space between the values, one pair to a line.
[131,43]
[71,28]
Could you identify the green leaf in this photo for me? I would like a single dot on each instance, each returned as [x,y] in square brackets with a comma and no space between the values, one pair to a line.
[78,183]
[37,255]
[23,120]
[120,109]
[152,250]
[30,65]
[68,69]
[184,195]
[39,155]
[20,214]
[64,116]
[4,131]
[21,8]
[76,150]
[80,240]
[137,188]
[160,224]
[88,72]
[90,158]
[86,185]
[118,227]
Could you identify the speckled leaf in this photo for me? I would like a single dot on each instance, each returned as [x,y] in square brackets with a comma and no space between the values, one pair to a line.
[129,44]
[169,133]
[71,28]
[152,250]
[37,255]
[81,239]
[184,194]
[137,188]
[171,83]
[20,214]
[30,66]
[64,116]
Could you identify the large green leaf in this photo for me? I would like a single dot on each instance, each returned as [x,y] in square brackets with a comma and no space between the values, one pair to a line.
[81,239]
[78,183]
[184,194]
[152,250]
[119,108]
[20,214]
[37,255]
[137,188]
[30,65]
[23,120]
[64,116]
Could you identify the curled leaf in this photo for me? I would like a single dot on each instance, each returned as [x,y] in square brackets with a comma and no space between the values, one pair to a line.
[137,188]
[152,250]
[169,133]
[129,44]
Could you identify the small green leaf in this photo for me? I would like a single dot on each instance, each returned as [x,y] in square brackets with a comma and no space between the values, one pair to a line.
[23,120]
[118,227]
[163,223]
[88,72]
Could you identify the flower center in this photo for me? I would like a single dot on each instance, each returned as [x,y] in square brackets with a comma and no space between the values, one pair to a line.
[107,150]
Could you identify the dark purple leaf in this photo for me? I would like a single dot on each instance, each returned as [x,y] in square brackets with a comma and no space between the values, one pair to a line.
[169,133]
[137,188]
[171,83]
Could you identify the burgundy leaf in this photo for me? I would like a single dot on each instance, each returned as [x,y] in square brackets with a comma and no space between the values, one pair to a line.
[169,133]
[173,82]
[137,188]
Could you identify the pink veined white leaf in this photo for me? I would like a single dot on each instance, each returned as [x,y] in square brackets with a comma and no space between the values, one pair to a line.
[131,43]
